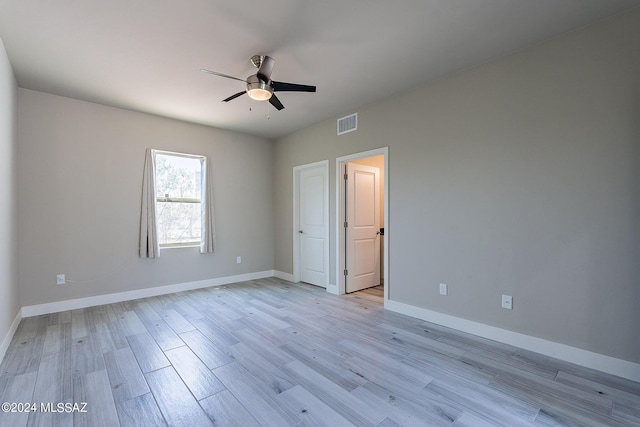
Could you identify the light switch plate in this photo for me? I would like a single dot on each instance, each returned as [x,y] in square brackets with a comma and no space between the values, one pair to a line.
[507,302]
[443,289]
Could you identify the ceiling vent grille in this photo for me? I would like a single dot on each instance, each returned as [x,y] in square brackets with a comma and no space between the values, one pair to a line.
[348,123]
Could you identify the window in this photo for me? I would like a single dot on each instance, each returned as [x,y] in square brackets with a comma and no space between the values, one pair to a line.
[177,203]
[179,199]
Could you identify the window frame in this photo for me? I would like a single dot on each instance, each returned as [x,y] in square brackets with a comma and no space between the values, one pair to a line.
[163,199]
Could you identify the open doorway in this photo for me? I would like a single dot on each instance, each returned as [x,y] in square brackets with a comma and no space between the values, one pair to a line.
[362,241]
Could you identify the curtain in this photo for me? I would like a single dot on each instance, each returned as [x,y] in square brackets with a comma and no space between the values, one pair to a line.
[208,238]
[149,246]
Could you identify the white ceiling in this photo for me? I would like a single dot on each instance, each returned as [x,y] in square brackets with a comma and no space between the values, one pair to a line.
[145,55]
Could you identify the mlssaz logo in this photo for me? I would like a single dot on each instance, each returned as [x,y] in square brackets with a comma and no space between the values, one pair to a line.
[63,408]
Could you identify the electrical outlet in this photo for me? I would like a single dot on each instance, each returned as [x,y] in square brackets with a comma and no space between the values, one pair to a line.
[60,279]
[507,302]
[443,289]
[239,260]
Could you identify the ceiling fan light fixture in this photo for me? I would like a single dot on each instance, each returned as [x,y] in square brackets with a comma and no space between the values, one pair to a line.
[260,94]
[258,90]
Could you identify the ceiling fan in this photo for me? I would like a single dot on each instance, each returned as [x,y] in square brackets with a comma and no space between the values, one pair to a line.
[260,87]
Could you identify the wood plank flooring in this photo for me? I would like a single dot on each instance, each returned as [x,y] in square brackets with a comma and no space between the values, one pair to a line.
[273,353]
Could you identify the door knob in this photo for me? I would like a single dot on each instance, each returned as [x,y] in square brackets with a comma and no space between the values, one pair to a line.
[300,231]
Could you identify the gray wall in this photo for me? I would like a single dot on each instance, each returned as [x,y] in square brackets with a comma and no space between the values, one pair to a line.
[8,189]
[520,176]
[80,182]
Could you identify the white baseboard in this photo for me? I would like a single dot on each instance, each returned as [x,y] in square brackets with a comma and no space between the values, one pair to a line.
[9,336]
[54,307]
[284,276]
[600,362]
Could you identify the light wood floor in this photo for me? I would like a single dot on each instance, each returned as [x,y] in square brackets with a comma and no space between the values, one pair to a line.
[273,353]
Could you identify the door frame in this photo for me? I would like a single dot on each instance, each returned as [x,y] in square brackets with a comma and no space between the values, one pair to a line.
[339,215]
[296,217]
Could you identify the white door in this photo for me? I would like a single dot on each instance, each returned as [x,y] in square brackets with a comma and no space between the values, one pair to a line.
[362,217]
[313,224]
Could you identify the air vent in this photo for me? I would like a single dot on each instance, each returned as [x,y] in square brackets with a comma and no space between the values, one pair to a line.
[348,123]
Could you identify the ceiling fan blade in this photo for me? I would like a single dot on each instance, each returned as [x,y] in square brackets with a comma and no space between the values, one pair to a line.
[232,97]
[221,75]
[291,87]
[276,102]
[264,73]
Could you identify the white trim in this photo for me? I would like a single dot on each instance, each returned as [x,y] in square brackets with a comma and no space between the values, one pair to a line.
[340,161]
[7,338]
[284,276]
[332,289]
[54,307]
[178,154]
[296,219]
[600,362]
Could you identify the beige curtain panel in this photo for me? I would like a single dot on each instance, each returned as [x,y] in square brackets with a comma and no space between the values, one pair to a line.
[207,243]
[149,246]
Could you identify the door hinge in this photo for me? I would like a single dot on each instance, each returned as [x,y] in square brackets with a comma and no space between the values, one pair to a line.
[346,272]
[346,224]
[346,176]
